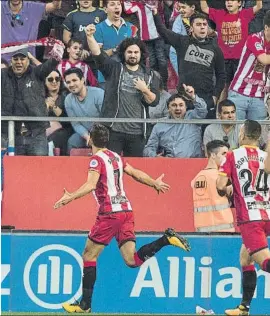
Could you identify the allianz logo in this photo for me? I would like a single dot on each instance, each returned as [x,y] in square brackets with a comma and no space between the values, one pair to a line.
[195,274]
[52,275]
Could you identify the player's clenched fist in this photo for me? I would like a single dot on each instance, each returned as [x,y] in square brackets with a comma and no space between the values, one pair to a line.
[90,30]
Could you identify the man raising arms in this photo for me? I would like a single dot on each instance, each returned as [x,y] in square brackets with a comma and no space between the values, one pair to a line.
[115,216]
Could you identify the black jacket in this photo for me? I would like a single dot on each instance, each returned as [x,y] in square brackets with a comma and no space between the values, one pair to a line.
[112,71]
[198,62]
[25,96]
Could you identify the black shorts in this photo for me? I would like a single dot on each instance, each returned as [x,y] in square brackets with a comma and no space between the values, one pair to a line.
[231,66]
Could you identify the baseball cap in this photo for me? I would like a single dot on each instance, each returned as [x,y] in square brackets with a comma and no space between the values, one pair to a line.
[23,51]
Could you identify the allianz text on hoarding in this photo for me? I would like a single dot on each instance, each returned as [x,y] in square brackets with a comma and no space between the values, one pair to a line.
[41,271]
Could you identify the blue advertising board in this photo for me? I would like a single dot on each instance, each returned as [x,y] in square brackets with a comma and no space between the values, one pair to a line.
[41,271]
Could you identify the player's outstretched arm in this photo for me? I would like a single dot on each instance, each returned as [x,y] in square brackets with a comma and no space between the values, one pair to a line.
[85,189]
[144,178]
[267,160]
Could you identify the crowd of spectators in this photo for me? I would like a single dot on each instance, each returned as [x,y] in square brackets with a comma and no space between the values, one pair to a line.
[174,59]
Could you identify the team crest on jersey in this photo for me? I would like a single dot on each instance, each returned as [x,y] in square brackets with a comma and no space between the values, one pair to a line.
[97,19]
[93,163]
[258,46]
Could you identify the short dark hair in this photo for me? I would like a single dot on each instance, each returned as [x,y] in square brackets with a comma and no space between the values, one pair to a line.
[252,129]
[99,135]
[224,103]
[175,96]
[74,40]
[198,15]
[129,42]
[74,70]
[266,20]
[213,146]
[190,3]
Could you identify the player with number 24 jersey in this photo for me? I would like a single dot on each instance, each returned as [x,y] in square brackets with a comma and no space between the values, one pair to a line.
[245,167]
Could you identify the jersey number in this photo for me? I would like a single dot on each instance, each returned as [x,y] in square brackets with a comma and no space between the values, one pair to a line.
[116,173]
[260,184]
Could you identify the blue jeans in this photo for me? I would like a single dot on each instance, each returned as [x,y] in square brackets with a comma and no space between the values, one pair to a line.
[75,141]
[31,145]
[157,58]
[247,107]
[173,59]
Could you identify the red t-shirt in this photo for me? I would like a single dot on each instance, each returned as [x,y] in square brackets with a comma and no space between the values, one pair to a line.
[232,30]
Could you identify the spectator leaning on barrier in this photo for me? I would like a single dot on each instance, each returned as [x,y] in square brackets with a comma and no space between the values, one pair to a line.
[23,94]
[130,89]
[200,60]
[229,133]
[20,20]
[212,211]
[81,102]
[178,140]
[247,89]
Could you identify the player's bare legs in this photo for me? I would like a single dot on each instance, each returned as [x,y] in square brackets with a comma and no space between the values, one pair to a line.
[91,252]
[135,259]
[249,280]
[262,257]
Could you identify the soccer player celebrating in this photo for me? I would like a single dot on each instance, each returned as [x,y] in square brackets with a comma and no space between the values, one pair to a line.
[245,167]
[115,216]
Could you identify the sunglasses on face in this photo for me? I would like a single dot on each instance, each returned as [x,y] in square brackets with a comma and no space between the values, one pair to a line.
[52,79]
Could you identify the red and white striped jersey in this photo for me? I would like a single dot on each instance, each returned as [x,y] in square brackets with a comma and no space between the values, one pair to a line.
[144,12]
[250,77]
[109,194]
[88,74]
[251,184]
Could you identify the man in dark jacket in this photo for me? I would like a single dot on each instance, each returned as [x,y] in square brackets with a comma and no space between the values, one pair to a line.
[130,89]
[200,60]
[23,94]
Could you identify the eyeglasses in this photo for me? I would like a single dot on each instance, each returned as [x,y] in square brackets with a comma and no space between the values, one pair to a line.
[225,139]
[52,79]
[16,18]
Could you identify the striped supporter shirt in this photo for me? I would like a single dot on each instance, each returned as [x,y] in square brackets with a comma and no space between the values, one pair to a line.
[88,74]
[109,194]
[143,9]
[250,77]
[251,184]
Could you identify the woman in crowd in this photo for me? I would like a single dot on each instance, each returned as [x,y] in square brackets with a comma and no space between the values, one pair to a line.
[58,132]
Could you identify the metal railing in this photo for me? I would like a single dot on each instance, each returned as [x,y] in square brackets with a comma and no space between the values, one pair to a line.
[12,119]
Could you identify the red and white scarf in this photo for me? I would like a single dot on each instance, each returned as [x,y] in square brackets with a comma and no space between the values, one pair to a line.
[56,45]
